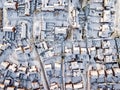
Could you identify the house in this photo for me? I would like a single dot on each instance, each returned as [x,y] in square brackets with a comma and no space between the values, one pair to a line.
[101,77]
[12,67]
[89,43]
[61,30]
[109,72]
[107,3]
[68,73]
[106,16]
[96,42]
[83,50]
[68,79]
[27,7]
[2,86]
[57,66]
[97,1]
[92,50]
[54,86]
[68,86]
[22,68]
[5,64]
[58,7]
[19,50]
[96,6]
[106,44]
[108,59]
[105,27]
[76,73]
[44,44]
[100,55]
[23,30]
[76,50]
[11,5]
[108,51]
[104,34]
[101,73]
[33,69]
[49,54]
[48,8]
[94,74]
[68,50]
[16,83]
[9,29]
[74,65]
[37,29]
[27,49]
[81,65]
[35,85]
[78,85]
[116,71]
[10,88]
[7,81]
[48,67]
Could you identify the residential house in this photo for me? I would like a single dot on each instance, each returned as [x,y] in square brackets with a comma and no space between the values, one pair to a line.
[83,50]
[10,88]
[96,42]
[7,82]
[27,7]
[106,16]
[22,68]
[108,59]
[101,74]
[48,67]
[23,30]
[116,71]
[77,86]
[5,64]
[27,49]
[107,3]
[9,29]
[108,51]
[76,50]
[35,85]
[33,69]
[68,86]
[92,51]
[68,50]
[74,65]
[2,86]
[12,67]
[105,27]
[11,5]
[106,44]
[54,86]
[61,30]
[93,75]
[109,74]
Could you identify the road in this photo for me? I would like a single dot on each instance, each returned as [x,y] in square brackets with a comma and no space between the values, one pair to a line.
[38,59]
[42,72]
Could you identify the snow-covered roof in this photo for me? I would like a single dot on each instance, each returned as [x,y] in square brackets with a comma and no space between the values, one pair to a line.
[78,85]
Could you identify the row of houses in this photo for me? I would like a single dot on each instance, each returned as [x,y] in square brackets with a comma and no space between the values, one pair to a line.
[72,75]
[102,17]
[19,77]
[104,78]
